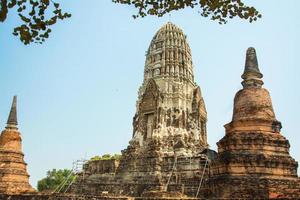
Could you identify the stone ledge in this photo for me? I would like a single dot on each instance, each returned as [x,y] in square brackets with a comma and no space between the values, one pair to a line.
[82,197]
[91,197]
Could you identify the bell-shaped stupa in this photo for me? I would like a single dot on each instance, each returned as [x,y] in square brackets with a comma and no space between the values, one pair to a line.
[253,157]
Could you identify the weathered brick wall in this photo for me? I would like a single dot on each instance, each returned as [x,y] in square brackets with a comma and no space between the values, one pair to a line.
[186,178]
[89,197]
[58,197]
[101,166]
[79,197]
[251,187]
[14,178]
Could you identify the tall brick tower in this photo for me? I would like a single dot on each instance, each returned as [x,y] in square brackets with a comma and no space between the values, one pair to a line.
[14,178]
[253,157]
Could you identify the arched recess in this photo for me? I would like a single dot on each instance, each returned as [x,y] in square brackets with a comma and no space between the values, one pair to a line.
[148,108]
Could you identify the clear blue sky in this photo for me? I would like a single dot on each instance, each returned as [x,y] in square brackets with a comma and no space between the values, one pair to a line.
[77,91]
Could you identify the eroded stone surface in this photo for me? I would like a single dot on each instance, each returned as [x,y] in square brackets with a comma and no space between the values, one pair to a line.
[169,129]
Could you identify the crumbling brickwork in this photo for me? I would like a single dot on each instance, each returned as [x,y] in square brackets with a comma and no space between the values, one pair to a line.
[253,157]
[14,178]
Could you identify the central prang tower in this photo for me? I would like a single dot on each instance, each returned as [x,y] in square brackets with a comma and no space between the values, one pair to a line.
[167,155]
[170,106]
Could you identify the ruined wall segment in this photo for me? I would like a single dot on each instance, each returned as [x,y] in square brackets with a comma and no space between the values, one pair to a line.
[14,178]
[253,157]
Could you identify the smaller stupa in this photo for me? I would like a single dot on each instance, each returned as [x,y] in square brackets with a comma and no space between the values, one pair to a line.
[253,157]
[14,178]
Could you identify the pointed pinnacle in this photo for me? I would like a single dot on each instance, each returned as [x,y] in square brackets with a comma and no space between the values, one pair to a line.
[252,76]
[251,65]
[12,121]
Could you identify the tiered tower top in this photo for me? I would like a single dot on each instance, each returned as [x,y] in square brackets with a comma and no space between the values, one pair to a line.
[169,54]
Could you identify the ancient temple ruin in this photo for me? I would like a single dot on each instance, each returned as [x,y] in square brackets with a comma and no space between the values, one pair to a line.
[14,178]
[168,156]
[168,153]
[253,157]
[168,150]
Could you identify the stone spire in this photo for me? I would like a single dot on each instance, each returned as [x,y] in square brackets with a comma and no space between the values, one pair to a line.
[12,120]
[14,177]
[252,76]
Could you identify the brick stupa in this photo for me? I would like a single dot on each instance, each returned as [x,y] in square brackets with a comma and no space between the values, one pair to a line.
[14,178]
[253,157]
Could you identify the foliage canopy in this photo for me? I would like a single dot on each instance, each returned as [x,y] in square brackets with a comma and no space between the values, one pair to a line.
[37,16]
[217,10]
[54,179]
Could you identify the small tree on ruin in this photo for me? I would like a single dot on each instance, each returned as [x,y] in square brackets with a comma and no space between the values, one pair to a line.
[55,179]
